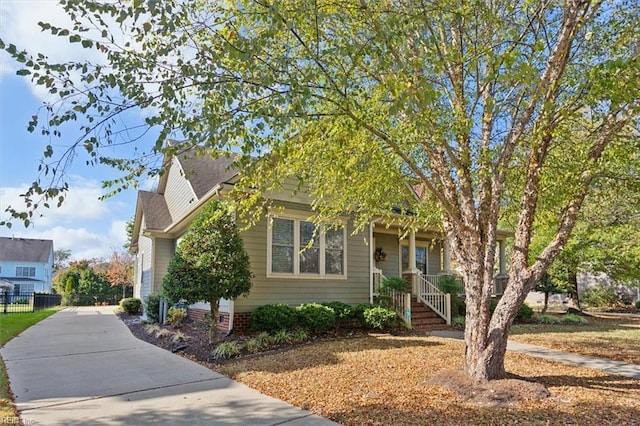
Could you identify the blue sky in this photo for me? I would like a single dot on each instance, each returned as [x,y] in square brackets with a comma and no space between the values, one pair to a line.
[90,228]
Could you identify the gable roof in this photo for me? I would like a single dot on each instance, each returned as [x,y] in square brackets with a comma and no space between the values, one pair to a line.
[204,172]
[155,210]
[25,250]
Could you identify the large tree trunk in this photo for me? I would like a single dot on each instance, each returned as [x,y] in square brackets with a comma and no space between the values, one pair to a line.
[213,327]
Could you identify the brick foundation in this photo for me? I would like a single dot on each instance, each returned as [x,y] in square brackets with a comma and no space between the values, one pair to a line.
[241,322]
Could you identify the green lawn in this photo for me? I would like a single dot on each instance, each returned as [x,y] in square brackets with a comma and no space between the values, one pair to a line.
[11,325]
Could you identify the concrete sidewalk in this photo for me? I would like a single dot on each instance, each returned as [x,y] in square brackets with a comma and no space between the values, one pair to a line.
[83,366]
[610,366]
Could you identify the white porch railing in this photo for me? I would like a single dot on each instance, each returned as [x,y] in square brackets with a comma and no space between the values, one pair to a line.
[378,277]
[430,295]
[400,301]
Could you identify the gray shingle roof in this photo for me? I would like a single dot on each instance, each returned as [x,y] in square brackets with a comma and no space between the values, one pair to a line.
[155,210]
[24,249]
[205,172]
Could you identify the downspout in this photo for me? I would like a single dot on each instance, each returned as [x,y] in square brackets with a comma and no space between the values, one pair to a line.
[231,315]
[371,249]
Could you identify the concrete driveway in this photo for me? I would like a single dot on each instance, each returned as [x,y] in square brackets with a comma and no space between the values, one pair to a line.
[83,366]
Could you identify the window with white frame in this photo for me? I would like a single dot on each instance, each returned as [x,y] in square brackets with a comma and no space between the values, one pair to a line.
[298,248]
[26,271]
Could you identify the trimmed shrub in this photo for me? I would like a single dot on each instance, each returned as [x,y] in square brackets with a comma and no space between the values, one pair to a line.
[600,296]
[458,321]
[548,319]
[316,318]
[175,316]
[380,318]
[131,305]
[342,310]
[359,310]
[450,284]
[525,313]
[152,307]
[574,319]
[271,318]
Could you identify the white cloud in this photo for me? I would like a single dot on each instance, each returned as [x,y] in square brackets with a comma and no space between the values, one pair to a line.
[82,202]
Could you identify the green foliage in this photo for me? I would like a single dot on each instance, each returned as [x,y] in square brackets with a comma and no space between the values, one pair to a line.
[281,337]
[80,284]
[380,318]
[548,319]
[300,335]
[359,310]
[574,319]
[152,307]
[345,313]
[175,316]
[450,284]
[254,345]
[271,318]
[316,318]
[600,296]
[395,283]
[210,263]
[458,321]
[637,304]
[525,313]
[131,305]
[226,350]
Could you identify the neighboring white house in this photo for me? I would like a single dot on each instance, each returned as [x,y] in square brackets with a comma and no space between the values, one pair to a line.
[342,265]
[26,265]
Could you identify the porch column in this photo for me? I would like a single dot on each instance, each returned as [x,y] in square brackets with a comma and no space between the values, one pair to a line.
[503,257]
[413,271]
[446,256]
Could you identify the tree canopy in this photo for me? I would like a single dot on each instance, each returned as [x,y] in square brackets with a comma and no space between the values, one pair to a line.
[447,109]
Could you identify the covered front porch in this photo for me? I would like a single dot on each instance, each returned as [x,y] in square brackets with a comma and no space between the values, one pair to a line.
[422,258]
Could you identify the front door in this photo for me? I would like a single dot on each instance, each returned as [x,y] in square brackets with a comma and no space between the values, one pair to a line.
[421,259]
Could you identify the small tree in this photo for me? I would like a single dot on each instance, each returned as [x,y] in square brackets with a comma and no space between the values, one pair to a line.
[548,285]
[210,263]
[120,271]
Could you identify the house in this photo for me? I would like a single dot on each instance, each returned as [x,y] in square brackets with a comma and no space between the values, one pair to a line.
[340,265]
[26,265]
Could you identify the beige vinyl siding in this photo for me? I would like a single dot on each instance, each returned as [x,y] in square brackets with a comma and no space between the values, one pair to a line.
[145,254]
[389,243]
[291,194]
[435,259]
[294,291]
[164,250]
[178,194]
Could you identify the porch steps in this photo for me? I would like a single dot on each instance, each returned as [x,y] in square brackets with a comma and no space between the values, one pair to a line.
[424,319]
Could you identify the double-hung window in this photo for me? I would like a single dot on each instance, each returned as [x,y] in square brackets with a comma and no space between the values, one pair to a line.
[297,247]
[26,271]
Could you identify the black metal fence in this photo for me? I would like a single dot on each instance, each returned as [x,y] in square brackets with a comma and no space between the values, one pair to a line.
[11,302]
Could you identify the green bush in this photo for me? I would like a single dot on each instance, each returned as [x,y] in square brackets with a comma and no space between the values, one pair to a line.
[359,310]
[271,318]
[574,319]
[131,305]
[152,307]
[600,296]
[548,319]
[342,310]
[450,284]
[380,318]
[316,318]
[638,304]
[175,316]
[525,313]
[394,283]
[458,321]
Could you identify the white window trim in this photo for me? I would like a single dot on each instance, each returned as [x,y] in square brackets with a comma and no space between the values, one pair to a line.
[22,268]
[297,217]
